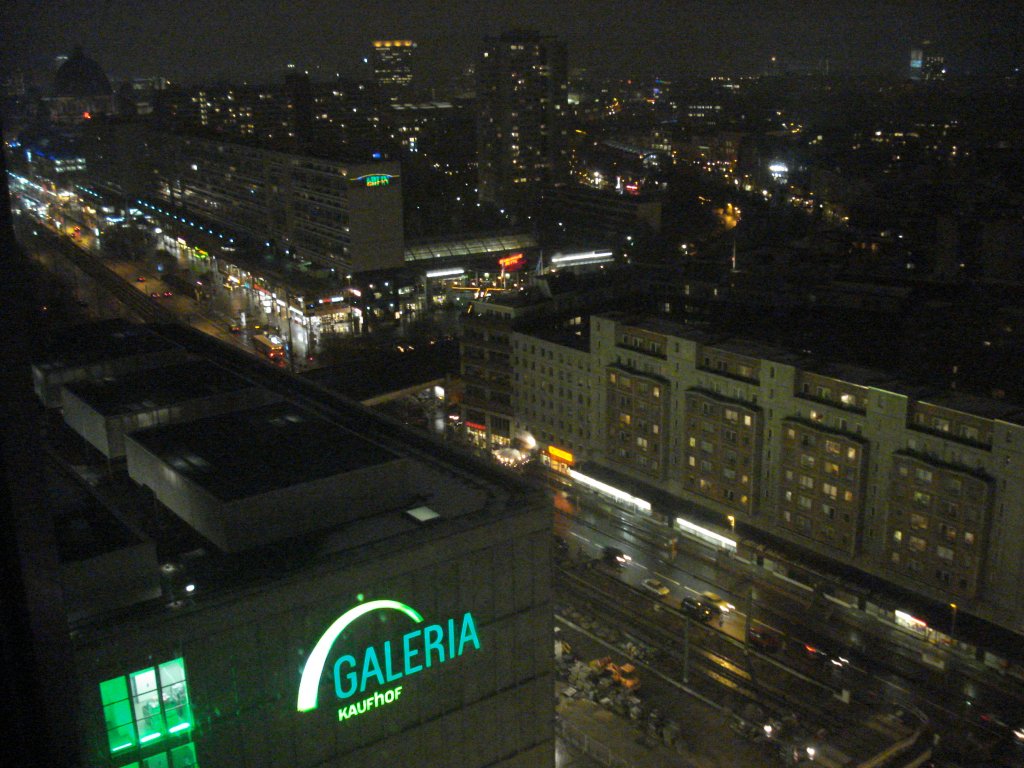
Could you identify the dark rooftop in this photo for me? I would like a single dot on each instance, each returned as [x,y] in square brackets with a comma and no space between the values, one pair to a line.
[157,387]
[247,453]
[95,342]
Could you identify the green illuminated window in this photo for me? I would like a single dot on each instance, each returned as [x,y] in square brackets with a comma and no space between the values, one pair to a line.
[145,707]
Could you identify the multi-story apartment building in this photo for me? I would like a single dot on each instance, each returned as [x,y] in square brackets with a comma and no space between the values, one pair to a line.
[334,213]
[552,390]
[919,488]
[521,134]
[532,332]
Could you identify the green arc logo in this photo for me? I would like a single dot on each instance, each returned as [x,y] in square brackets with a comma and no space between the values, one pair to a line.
[310,682]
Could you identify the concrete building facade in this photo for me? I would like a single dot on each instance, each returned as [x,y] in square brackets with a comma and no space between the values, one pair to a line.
[917,487]
[521,128]
[279,585]
[339,215]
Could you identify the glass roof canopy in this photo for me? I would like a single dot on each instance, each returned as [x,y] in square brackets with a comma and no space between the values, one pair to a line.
[477,246]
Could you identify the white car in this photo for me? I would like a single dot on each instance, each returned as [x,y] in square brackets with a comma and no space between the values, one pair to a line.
[656,587]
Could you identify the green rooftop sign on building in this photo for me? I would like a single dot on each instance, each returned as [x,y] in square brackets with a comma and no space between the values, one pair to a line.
[376,179]
[358,671]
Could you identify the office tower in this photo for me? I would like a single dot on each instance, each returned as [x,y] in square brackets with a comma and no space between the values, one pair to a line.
[522,92]
[392,68]
[926,63]
[340,215]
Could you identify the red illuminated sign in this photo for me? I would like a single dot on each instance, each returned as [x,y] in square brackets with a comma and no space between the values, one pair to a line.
[474,425]
[512,262]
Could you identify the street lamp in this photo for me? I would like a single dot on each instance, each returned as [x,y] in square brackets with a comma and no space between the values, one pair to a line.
[952,627]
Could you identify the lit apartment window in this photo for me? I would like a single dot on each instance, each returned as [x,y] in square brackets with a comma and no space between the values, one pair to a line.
[805,502]
[851,454]
[897,537]
[847,399]
[656,391]
[833,447]
[942,425]
[747,420]
[918,522]
[829,490]
[731,415]
[922,499]
[831,468]
[806,461]
[806,481]
[917,544]
[923,475]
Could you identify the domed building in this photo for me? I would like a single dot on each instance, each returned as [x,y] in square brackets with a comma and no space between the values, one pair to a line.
[81,91]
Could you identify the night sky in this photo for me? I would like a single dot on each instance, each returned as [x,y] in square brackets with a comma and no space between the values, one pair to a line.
[209,39]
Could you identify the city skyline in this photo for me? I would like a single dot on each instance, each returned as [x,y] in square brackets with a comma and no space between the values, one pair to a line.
[257,39]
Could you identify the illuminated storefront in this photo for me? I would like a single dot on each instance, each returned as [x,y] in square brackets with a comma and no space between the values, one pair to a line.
[558,459]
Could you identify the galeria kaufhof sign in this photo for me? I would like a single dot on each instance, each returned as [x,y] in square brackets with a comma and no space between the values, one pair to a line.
[373,669]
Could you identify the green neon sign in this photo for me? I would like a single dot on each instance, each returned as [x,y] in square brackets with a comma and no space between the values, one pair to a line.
[418,650]
[376,179]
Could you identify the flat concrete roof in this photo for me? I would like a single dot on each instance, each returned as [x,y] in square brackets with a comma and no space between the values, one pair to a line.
[82,345]
[157,387]
[575,337]
[246,453]
[977,406]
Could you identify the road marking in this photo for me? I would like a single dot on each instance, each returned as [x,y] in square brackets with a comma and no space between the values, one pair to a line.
[666,578]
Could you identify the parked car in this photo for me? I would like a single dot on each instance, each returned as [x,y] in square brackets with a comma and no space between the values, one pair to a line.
[655,586]
[140,279]
[695,609]
[765,639]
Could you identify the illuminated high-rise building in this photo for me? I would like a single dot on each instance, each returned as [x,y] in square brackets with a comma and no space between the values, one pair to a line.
[926,63]
[392,68]
[522,93]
